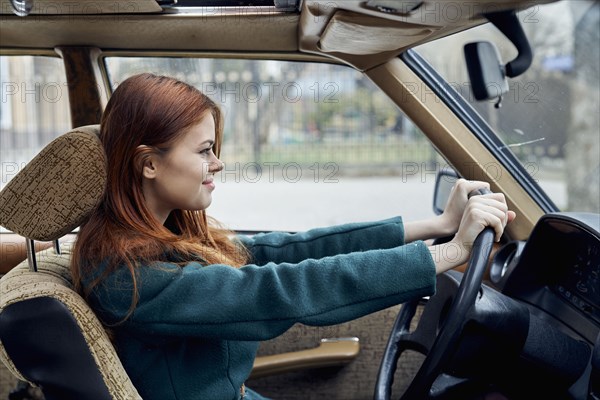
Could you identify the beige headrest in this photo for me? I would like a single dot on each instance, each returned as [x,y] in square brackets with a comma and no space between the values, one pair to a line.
[57,190]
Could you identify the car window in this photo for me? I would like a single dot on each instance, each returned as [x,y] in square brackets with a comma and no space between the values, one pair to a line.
[34,109]
[549,119]
[306,144]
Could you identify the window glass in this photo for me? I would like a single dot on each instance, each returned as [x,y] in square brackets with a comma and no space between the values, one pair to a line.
[549,119]
[34,109]
[306,144]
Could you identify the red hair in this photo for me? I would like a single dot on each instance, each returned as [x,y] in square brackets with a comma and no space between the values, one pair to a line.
[154,111]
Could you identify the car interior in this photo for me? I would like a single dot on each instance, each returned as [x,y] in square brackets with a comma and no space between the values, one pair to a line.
[520,321]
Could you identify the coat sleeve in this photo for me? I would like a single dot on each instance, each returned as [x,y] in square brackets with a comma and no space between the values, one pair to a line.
[323,242]
[259,303]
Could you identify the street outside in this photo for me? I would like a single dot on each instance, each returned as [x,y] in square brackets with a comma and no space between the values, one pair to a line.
[297,206]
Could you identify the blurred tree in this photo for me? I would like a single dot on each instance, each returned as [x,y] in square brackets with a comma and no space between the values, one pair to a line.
[583,150]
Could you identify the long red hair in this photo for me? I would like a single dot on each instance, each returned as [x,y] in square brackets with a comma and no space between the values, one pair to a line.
[154,111]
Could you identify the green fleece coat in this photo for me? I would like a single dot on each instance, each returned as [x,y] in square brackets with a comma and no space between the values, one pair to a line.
[196,328]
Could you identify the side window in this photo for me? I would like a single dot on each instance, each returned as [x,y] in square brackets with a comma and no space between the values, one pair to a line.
[306,144]
[34,109]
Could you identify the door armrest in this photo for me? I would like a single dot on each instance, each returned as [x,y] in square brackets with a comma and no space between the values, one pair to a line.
[329,353]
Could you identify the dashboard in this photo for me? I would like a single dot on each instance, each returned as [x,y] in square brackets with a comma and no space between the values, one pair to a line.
[556,272]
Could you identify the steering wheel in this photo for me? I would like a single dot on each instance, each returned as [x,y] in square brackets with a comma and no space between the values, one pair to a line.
[437,348]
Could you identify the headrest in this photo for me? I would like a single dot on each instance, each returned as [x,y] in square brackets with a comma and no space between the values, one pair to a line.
[58,189]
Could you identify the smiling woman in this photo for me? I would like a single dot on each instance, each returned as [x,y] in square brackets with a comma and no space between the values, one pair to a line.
[156,269]
[321,131]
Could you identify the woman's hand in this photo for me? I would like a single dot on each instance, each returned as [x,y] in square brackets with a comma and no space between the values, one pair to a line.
[457,202]
[480,212]
[447,223]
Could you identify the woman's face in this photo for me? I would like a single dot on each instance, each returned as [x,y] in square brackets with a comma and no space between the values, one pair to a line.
[182,178]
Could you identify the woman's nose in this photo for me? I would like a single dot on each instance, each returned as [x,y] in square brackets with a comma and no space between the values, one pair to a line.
[216,165]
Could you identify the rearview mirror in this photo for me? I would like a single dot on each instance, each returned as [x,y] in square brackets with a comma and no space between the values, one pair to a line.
[444,182]
[486,71]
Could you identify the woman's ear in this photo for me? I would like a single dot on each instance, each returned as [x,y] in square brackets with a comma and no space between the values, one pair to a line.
[149,161]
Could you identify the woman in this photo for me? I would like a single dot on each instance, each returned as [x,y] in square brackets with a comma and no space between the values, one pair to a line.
[187,301]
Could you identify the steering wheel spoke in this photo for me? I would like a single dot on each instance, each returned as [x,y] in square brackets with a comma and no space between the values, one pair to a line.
[418,340]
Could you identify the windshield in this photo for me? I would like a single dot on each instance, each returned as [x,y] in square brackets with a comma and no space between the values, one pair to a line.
[550,117]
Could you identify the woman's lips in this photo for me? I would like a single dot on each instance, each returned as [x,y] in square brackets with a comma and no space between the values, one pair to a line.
[209,183]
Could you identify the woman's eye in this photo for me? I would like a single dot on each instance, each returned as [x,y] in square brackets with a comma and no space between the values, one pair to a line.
[206,151]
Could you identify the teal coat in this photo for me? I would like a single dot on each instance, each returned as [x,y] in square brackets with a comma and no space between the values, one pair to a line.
[196,329]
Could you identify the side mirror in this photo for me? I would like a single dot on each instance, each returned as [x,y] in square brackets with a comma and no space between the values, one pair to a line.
[486,72]
[444,182]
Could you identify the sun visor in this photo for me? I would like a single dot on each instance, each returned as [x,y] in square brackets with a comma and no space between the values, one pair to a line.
[353,33]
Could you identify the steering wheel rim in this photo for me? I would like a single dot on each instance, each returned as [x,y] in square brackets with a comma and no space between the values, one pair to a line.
[441,351]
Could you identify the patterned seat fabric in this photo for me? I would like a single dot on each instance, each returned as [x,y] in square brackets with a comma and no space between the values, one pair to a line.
[58,189]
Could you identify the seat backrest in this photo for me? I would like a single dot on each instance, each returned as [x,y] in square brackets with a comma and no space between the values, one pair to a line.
[49,336]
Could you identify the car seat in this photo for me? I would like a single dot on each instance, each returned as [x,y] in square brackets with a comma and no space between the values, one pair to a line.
[49,336]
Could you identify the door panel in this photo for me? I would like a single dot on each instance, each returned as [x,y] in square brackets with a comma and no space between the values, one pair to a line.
[354,381]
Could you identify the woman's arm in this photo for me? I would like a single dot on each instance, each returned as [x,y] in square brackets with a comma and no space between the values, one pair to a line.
[323,242]
[435,227]
[260,302]
[341,239]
